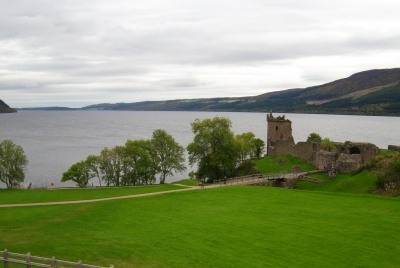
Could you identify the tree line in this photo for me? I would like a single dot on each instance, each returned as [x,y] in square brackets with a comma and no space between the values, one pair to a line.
[215,151]
[136,163]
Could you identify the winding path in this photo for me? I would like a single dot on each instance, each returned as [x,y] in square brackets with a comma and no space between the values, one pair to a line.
[188,188]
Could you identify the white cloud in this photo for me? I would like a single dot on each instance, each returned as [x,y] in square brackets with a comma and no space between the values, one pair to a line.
[86,52]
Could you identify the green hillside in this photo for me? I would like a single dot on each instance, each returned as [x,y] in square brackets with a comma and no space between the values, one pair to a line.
[361,183]
[386,100]
[4,108]
[354,83]
[374,92]
[281,163]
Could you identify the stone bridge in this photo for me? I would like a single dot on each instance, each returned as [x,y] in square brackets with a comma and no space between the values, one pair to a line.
[282,179]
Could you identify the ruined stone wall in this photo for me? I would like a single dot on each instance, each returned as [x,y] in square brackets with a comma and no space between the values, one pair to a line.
[347,163]
[296,169]
[307,151]
[282,147]
[368,153]
[325,159]
[366,150]
[394,148]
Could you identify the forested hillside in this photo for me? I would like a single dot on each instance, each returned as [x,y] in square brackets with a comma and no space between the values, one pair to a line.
[374,92]
[4,108]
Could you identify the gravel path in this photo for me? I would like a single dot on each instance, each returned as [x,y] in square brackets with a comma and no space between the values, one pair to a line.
[188,188]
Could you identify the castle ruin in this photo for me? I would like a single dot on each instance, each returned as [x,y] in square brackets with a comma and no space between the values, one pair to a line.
[345,158]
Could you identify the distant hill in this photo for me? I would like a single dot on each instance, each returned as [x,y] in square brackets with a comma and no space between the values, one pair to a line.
[53,108]
[4,108]
[374,92]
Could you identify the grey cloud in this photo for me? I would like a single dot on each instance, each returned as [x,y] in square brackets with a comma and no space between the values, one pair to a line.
[182,82]
[164,47]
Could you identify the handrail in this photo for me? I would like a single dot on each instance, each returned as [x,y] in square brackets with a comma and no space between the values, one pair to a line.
[258,177]
[29,261]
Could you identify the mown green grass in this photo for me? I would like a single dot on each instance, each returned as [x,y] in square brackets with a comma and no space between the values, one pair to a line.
[271,164]
[12,196]
[362,183]
[384,152]
[238,226]
[187,182]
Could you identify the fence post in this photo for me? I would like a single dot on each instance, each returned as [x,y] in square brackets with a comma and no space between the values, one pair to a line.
[79,264]
[28,260]
[53,262]
[5,255]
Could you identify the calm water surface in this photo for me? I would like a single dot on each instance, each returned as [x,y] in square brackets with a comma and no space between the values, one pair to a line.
[54,140]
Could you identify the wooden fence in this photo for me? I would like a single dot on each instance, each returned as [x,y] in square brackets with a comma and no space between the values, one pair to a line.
[33,261]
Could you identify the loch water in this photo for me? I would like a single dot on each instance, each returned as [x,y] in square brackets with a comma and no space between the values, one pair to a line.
[54,140]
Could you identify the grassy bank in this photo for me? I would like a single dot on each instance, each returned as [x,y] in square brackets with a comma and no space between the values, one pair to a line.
[361,183]
[285,162]
[238,226]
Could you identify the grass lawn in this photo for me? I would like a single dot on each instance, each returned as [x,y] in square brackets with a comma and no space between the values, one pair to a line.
[189,182]
[237,226]
[13,196]
[285,162]
[362,183]
[384,152]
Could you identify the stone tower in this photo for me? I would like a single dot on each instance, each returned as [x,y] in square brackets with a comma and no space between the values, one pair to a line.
[279,131]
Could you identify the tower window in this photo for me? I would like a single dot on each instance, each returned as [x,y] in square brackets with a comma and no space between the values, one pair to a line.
[276,127]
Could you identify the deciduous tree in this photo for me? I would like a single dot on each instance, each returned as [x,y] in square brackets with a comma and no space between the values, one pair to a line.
[13,163]
[169,154]
[250,147]
[313,137]
[259,147]
[111,164]
[80,173]
[141,163]
[93,163]
[245,143]
[213,149]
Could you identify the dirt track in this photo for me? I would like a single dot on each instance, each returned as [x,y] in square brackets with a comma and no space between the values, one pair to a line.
[188,188]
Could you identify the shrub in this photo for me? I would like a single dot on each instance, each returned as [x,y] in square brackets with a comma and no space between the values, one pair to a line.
[374,162]
[247,167]
[390,179]
[313,137]
[327,144]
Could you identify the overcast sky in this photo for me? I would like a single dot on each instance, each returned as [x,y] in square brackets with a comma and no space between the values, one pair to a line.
[76,53]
